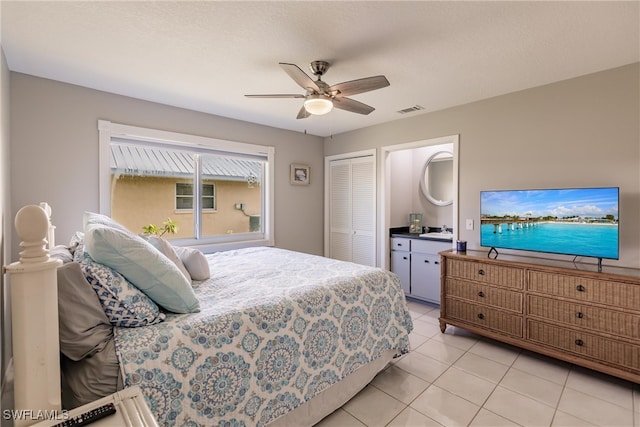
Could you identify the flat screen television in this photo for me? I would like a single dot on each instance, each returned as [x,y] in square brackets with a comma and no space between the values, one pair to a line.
[570,221]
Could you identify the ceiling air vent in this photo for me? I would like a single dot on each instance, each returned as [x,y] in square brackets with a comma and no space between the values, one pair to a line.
[411,109]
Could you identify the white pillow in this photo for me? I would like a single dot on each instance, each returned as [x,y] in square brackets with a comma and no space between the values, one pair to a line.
[143,265]
[165,247]
[195,262]
[92,218]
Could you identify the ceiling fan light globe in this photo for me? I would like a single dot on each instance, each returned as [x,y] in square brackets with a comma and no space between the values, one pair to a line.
[318,105]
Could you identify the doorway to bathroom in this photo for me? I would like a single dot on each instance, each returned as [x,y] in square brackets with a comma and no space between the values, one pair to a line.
[416,180]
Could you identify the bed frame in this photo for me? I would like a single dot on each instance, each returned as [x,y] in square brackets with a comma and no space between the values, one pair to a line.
[36,348]
[34,309]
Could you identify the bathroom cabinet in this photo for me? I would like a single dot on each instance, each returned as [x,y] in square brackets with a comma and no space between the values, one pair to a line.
[417,264]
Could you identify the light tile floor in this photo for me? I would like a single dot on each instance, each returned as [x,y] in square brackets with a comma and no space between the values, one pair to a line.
[460,379]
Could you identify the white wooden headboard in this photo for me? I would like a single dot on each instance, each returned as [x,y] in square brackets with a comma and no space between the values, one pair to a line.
[34,309]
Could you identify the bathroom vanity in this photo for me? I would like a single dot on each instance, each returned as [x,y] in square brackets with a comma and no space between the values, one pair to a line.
[416,261]
[426,182]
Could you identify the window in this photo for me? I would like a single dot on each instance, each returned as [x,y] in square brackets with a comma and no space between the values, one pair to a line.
[220,193]
[184,196]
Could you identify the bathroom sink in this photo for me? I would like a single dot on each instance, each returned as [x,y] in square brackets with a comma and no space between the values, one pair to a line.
[438,235]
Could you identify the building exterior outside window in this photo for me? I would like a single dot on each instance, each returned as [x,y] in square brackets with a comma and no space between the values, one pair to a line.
[150,182]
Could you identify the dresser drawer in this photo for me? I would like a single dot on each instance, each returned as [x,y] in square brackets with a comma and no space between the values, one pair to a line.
[607,351]
[485,294]
[608,292]
[486,317]
[486,273]
[400,244]
[585,316]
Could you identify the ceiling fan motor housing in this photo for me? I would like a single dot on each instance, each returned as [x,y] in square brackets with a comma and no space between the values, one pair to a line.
[318,68]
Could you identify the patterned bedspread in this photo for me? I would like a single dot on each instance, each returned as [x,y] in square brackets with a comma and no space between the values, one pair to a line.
[276,328]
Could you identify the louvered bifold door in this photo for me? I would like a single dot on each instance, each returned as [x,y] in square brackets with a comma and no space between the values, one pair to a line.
[352,210]
[363,209]
[340,209]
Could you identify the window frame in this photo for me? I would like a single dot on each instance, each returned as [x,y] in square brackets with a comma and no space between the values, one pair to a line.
[109,131]
[203,196]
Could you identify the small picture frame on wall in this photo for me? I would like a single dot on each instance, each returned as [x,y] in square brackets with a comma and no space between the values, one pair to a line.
[300,174]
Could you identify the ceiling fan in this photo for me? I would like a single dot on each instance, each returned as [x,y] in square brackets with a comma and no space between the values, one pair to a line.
[320,97]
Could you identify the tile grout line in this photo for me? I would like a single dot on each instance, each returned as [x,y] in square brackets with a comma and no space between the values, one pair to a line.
[494,388]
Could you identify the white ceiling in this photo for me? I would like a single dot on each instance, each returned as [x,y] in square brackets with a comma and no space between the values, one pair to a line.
[207,55]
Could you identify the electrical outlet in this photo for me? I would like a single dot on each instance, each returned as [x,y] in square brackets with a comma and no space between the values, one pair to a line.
[469,224]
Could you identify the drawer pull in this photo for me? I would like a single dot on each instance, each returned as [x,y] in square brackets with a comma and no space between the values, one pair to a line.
[481,294]
[404,257]
[480,316]
[579,315]
[481,272]
[580,288]
[437,262]
[427,261]
[579,342]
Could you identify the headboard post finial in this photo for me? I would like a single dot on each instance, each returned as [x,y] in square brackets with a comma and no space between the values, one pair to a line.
[32,225]
[51,234]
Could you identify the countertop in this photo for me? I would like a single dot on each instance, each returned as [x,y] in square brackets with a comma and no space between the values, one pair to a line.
[404,232]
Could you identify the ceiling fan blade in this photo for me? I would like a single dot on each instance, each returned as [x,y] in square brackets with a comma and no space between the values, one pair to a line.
[277,95]
[351,105]
[300,76]
[354,87]
[303,113]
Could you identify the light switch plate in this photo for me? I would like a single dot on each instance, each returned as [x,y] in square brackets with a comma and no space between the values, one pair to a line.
[469,224]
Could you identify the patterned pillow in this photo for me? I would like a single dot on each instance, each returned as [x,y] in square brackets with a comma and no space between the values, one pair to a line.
[143,265]
[76,243]
[78,252]
[124,304]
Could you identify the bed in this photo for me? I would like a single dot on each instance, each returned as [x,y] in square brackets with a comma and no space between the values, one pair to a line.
[273,337]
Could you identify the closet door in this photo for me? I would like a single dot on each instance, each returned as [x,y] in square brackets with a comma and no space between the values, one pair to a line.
[352,210]
[340,210]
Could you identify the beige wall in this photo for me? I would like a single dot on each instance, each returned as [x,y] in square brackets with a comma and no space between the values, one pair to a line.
[54,154]
[579,132]
[139,201]
[6,219]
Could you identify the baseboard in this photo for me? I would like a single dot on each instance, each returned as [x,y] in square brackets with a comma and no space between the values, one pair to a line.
[6,394]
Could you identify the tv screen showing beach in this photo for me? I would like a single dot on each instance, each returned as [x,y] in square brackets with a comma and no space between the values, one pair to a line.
[575,221]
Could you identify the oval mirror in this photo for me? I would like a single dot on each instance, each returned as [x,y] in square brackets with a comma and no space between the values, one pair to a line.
[437,178]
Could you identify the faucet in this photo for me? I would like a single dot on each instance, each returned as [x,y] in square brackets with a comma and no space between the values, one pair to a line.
[444,228]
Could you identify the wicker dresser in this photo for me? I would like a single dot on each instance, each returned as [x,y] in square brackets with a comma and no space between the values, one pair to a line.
[557,308]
